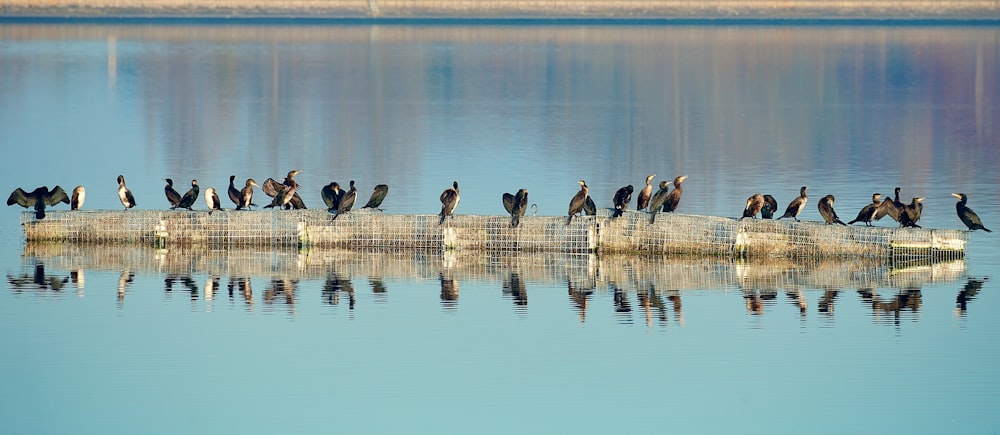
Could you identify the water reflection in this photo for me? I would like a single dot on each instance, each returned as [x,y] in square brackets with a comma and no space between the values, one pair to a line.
[515,290]
[894,306]
[334,286]
[968,294]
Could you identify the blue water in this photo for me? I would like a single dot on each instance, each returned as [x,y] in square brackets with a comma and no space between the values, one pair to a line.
[445,348]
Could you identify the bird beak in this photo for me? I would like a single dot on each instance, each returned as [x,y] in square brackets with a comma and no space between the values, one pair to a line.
[956,195]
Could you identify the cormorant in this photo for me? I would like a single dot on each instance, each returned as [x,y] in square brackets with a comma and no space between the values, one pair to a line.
[890,207]
[770,206]
[795,207]
[657,200]
[76,200]
[825,206]
[187,201]
[246,195]
[273,188]
[234,193]
[589,207]
[968,217]
[754,204]
[378,194]
[38,199]
[212,200]
[449,200]
[125,195]
[331,196]
[674,196]
[284,197]
[867,212]
[643,200]
[508,202]
[911,213]
[172,196]
[622,197]
[520,206]
[578,202]
[346,201]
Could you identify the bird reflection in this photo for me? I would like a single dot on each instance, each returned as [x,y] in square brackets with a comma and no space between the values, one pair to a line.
[755,300]
[909,298]
[281,289]
[37,280]
[968,294]
[243,284]
[623,308]
[378,289]
[826,302]
[797,298]
[124,280]
[449,291]
[78,278]
[185,280]
[580,297]
[212,284]
[648,300]
[335,285]
[514,288]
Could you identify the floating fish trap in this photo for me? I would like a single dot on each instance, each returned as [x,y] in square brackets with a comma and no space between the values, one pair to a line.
[632,233]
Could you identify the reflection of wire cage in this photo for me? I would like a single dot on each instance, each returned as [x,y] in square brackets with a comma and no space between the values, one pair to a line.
[365,229]
[627,272]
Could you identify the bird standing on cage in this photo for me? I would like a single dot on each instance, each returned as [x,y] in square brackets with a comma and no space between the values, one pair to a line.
[187,201]
[331,196]
[346,200]
[642,201]
[579,201]
[378,195]
[911,212]
[753,206]
[212,200]
[966,215]
[825,206]
[516,205]
[173,197]
[124,194]
[622,197]
[77,198]
[657,200]
[674,197]
[246,195]
[770,206]
[38,198]
[234,193]
[797,205]
[449,201]
[273,188]
[867,212]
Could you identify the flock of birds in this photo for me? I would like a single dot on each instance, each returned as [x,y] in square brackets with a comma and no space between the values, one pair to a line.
[285,194]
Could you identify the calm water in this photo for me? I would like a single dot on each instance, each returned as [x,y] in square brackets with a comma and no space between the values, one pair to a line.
[137,340]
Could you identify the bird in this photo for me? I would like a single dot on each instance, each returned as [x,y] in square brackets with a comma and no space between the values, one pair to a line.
[825,206]
[283,197]
[38,198]
[273,188]
[891,207]
[125,195]
[643,200]
[579,201]
[795,207]
[212,200]
[657,200]
[622,197]
[754,204]
[187,201]
[516,204]
[449,200]
[246,195]
[867,212]
[911,213]
[346,201]
[378,194]
[589,207]
[234,193]
[331,195]
[770,206]
[674,197]
[968,217]
[77,198]
[173,197]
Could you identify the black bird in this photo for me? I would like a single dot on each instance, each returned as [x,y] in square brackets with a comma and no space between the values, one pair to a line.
[578,202]
[77,198]
[911,213]
[283,196]
[273,188]
[346,201]
[38,199]
[246,195]
[212,200]
[867,212]
[770,206]
[657,200]
[187,201]
[234,193]
[125,195]
[890,207]
[622,197]
[826,210]
[647,191]
[516,205]
[968,217]
[378,194]
[173,197]
[754,205]
[674,197]
[449,201]
[331,196]
[589,207]
[795,207]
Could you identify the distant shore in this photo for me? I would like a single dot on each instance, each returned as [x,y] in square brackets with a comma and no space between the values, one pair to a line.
[510,9]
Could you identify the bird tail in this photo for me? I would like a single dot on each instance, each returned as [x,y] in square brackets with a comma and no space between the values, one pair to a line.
[852,222]
[987,230]
[570,219]
[837,220]
[618,212]
[515,220]
[652,217]
[443,215]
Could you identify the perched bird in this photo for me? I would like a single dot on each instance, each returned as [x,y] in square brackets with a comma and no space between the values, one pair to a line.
[770,206]
[173,197]
[246,195]
[378,194]
[657,200]
[890,207]
[273,189]
[795,207]
[968,217]
[346,201]
[125,195]
[578,202]
[77,198]
[911,213]
[754,204]
[212,200]
[187,201]
[867,212]
[449,200]
[234,193]
[825,206]
[674,197]
[643,200]
[516,205]
[38,199]
[331,196]
[283,197]
[622,197]
[589,207]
